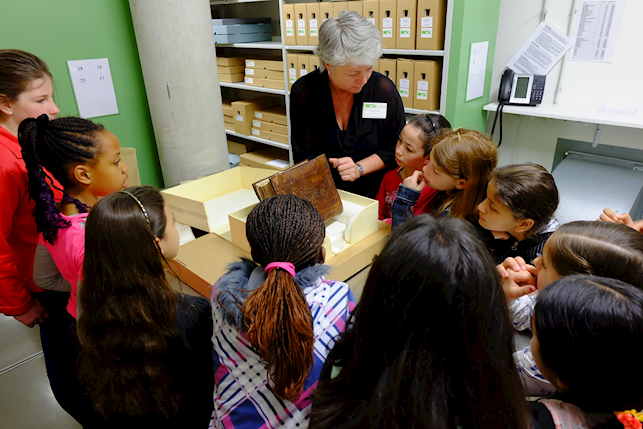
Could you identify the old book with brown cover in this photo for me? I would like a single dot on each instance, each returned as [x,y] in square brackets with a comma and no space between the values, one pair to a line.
[310,180]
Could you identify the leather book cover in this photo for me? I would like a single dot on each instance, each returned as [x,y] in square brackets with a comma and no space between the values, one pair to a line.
[311,180]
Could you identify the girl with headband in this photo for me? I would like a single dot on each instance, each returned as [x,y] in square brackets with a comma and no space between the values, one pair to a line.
[145,357]
[275,319]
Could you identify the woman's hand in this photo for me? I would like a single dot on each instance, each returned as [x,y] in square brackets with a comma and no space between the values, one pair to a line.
[346,168]
[415,181]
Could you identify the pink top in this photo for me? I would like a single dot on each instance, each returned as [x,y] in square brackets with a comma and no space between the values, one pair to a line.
[68,252]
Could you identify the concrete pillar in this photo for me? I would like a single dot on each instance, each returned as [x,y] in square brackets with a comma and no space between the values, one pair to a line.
[178,59]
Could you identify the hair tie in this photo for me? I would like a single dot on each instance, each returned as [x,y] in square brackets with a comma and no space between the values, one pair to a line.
[283,265]
[630,419]
[140,204]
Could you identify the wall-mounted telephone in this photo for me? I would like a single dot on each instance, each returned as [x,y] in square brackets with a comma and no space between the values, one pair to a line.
[521,89]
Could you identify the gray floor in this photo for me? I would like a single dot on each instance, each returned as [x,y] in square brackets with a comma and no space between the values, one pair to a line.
[26,400]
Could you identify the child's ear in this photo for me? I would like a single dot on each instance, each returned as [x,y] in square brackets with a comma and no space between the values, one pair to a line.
[460,184]
[524,225]
[160,243]
[322,255]
[5,106]
[82,174]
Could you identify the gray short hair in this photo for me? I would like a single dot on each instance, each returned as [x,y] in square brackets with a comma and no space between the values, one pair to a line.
[348,39]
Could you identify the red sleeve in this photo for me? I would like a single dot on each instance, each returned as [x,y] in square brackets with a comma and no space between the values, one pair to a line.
[425,202]
[15,299]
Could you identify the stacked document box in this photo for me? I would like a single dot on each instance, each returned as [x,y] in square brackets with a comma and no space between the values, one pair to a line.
[271,124]
[230,69]
[241,30]
[265,73]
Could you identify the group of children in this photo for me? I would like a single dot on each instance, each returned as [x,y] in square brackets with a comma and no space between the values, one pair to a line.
[430,344]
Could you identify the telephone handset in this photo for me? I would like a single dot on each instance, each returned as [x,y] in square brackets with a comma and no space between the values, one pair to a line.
[521,89]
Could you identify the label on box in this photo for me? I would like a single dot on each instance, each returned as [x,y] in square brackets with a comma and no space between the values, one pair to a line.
[256,124]
[313,32]
[404,92]
[250,72]
[250,63]
[293,79]
[374,110]
[422,95]
[259,115]
[301,32]
[290,32]
[427,21]
[371,20]
[423,85]
[405,32]
[255,132]
[405,22]
[301,23]
[387,33]
[426,33]
[289,23]
[313,23]
[292,72]
[404,83]
[303,72]
[239,118]
[249,80]
[279,163]
[387,22]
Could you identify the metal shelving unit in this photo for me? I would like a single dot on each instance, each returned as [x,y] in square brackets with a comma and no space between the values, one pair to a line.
[244,86]
[259,140]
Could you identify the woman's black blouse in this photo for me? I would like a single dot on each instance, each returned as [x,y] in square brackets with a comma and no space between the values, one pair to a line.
[314,129]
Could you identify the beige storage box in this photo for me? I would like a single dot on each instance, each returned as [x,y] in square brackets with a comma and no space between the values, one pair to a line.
[301,15]
[289,24]
[244,112]
[230,61]
[272,158]
[406,81]
[388,20]
[270,126]
[275,114]
[371,11]
[312,15]
[265,64]
[406,14]
[265,74]
[388,67]
[431,20]
[275,137]
[427,85]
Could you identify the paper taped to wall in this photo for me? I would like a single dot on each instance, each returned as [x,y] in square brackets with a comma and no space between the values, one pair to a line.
[542,50]
[93,87]
[596,29]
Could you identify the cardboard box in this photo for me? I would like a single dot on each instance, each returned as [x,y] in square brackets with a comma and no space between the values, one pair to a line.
[265,74]
[227,107]
[265,64]
[388,67]
[406,17]
[312,14]
[206,202]
[326,10]
[231,69]
[289,24]
[269,135]
[270,126]
[313,61]
[230,61]
[339,6]
[388,19]
[239,148]
[371,11]
[272,158]
[231,77]
[201,262]
[265,83]
[355,5]
[301,15]
[291,64]
[244,112]
[303,67]
[427,85]
[276,114]
[229,126]
[128,156]
[431,20]
[376,67]
[406,81]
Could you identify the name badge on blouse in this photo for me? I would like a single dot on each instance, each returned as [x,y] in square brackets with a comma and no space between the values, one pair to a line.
[374,111]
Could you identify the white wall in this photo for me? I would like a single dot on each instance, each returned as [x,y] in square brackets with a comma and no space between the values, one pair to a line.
[585,83]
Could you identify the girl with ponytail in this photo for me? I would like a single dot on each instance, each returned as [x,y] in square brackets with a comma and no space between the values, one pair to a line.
[275,319]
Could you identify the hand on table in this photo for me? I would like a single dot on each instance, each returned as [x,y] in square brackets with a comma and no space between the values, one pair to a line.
[415,181]
[346,168]
[33,316]
[518,277]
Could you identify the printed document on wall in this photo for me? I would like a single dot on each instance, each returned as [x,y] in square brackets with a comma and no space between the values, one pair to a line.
[542,50]
[477,69]
[93,87]
[596,29]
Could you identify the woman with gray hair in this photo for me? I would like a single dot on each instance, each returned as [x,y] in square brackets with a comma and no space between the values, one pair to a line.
[344,109]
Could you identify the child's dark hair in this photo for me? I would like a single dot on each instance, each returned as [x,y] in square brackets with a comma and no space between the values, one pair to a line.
[590,332]
[430,126]
[434,328]
[127,321]
[599,248]
[529,191]
[17,70]
[284,228]
[55,146]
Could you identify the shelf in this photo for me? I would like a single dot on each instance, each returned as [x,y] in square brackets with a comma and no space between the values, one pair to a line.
[218,2]
[386,51]
[259,140]
[567,112]
[275,43]
[242,85]
[420,112]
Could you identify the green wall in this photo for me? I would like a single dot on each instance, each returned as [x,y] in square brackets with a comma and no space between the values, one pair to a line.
[473,21]
[58,31]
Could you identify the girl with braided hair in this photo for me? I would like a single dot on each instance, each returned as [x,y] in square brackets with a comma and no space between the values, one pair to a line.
[275,319]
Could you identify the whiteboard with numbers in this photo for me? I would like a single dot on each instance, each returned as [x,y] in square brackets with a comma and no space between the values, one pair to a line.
[93,86]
